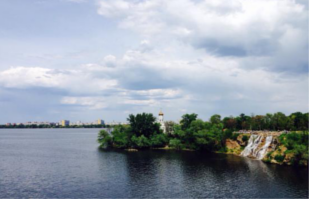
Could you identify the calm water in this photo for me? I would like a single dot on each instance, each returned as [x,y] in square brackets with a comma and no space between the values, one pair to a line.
[47,163]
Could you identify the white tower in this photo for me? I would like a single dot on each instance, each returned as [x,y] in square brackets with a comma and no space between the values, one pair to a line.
[161,121]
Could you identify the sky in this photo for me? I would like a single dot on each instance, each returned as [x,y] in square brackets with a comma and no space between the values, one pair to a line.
[90,59]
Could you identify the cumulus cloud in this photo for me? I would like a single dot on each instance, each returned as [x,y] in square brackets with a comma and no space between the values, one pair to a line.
[203,56]
[258,28]
[71,80]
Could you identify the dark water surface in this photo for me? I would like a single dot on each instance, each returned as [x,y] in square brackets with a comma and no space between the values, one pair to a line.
[66,163]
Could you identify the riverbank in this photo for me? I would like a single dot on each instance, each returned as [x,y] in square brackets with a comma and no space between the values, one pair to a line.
[266,146]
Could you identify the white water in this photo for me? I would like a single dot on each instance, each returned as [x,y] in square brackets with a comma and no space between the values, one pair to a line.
[255,149]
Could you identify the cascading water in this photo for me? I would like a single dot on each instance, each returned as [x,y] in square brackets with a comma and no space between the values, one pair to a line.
[257,146]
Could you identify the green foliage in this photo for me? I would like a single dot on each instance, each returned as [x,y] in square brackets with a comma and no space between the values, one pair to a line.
[187,120]
[120,137]
[140,141]
[277,121]
[104,139]
[245,138]
[292,139]
[298,144]
[279,158]
[205,139]
[268,160]
[215,119]
[196,134]
[228,133]
[143,132]
[176,144]
[143,124]
[234,136]
[159,140]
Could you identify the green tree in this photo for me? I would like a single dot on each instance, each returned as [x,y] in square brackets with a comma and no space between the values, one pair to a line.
[143,124]
[230,123]
[299,121]
[279,121]
[176,144]
[140,141]
[121,137]
[187,120]
[159,140]
[215,119]
[104,139]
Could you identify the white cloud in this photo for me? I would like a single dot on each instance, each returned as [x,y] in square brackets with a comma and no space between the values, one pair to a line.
[76,81]
[90,102]
[262,28]
[203,56]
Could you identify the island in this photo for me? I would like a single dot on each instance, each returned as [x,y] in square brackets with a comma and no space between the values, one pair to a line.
[274,138]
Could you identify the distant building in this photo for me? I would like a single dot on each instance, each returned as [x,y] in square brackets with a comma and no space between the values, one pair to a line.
[100,122]
[64,122]
[161,121]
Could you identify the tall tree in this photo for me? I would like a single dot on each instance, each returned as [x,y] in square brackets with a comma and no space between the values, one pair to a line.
[143,124]
[280,121]
[230,123]
[215,119]
[187,120]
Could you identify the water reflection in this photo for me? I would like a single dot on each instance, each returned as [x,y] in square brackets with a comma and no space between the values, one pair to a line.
[166,174]
[67,164]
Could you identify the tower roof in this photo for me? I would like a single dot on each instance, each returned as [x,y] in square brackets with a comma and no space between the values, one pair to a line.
[161,113]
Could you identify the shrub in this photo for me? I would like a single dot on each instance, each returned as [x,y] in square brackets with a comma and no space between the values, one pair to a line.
[176,143]
[268,160]
[279,158]
[158,140]
[120,138]
[245,138]
[104,139]
[269,154]
[234,136]
[140,142]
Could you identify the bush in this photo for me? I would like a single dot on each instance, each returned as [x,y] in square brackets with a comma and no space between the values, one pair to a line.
[234,136]
[159,140]
[104,139]
[140,142]
[279,158]
[269,154]
[176,143]
[245,138]
[268,160]
[120,137]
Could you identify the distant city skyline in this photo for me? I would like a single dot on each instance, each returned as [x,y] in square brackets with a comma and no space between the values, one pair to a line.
[92,59]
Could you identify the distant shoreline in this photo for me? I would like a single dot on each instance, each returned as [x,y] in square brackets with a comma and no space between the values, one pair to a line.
[55,127]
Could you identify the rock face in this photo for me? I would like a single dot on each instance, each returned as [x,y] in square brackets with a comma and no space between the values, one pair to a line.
[241,141]
[231,144]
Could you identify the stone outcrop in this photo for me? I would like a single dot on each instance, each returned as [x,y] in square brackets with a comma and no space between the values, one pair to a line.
[231,144]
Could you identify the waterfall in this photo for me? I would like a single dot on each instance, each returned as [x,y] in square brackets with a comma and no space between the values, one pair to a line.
[257,146]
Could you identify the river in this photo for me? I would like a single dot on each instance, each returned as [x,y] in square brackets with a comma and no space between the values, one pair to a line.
[66,163]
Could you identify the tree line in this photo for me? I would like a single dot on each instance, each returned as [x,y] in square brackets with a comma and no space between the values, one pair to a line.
[55,126]
[195,134]
[278,121]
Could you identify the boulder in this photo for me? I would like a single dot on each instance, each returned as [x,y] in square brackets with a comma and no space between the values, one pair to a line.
[231,144]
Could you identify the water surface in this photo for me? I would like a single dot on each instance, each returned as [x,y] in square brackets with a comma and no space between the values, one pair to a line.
[66,163]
